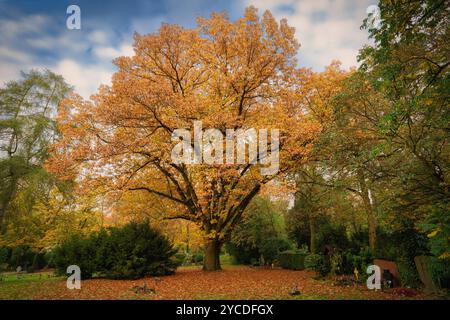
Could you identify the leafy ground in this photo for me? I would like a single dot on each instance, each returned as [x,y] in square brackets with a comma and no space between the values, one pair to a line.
[236,282]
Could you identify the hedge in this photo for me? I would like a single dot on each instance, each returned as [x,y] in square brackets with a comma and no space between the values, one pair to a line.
[291,259]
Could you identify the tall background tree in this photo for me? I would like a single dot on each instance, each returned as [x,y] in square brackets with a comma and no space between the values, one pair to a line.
[27,108]
[408,65]
[385,139]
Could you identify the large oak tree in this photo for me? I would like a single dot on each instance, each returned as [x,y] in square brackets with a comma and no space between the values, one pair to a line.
[229,75]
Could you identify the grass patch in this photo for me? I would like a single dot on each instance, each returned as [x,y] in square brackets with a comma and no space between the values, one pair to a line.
[26,285]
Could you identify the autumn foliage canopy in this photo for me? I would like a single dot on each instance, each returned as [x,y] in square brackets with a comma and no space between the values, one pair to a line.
[229,75]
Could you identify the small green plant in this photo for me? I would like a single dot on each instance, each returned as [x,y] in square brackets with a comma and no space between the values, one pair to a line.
[314,262]
[336,263]
[181,258]
[197,257]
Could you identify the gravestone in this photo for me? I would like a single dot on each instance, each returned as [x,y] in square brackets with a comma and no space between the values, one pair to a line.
[19,271]
[390,266]
[423,267]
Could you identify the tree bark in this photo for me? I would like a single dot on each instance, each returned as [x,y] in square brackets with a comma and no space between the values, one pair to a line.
[312,231]
[5,200]
[372,226]
[2,214]
[211,260]
[369,207]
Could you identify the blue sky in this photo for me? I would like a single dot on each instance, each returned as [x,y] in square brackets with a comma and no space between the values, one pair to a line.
[33,34]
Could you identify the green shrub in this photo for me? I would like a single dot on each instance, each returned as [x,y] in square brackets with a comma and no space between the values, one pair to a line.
[262,234]
[28,259]
[194,257]
[21,256]
[360,261]
[325,267]
[226,259]
[242,254]
[5,254]
[438,222]
[49,257]
[77,250]
[4,258]
[38,262]
[291,259]
[336,263]
[409,276]
[270,248]
[140,250]
[314,262]
[303,249]
[332,236]
[128,252]
[181,258]
[197,257]
[349,262]
[440,272]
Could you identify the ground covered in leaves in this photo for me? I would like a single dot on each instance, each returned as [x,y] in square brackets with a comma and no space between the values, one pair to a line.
[237,282]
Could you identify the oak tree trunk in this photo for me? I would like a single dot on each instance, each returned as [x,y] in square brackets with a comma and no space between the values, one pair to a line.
[211,260]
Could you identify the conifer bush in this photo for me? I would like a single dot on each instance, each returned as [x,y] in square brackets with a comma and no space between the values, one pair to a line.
[132,251]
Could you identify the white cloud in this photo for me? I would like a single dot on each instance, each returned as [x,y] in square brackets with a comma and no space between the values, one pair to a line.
[12,62]
[98,37]
[28,24]
[62,43]
[85,77]
[326,29]
[14,55]
[84,60]
[109,53]
[9,71]
[13,58]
